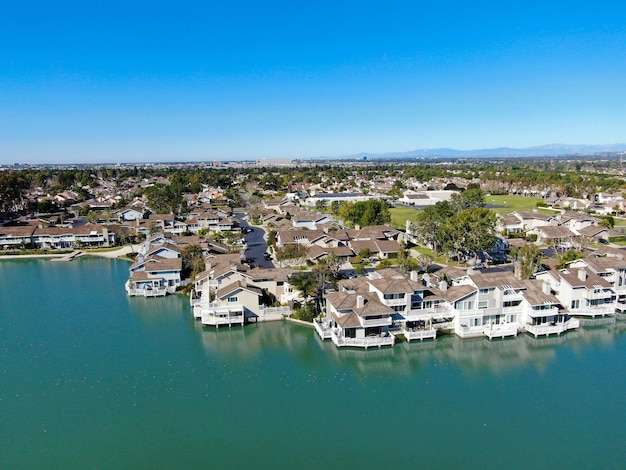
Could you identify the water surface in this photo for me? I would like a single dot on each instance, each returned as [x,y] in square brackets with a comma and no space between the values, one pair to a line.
[92,379]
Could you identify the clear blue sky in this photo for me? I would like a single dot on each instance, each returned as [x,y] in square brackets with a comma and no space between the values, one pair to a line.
[92,81]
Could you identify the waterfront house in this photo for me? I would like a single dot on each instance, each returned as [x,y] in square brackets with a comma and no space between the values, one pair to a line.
[356,320]
[16,236]
[583,292]
[542,312]
[229,305]
[154,276]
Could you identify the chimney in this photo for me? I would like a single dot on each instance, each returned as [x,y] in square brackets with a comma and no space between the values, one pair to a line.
[582,274]
[443,286]
[426,279]
[360,301]
[414,276]
[545,288]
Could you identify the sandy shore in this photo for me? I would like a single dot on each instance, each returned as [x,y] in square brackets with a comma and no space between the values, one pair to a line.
[122,251]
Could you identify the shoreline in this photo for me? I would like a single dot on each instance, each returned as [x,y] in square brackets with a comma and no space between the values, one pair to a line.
[113,254]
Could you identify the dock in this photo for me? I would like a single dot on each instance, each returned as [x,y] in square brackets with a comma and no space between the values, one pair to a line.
[69,256]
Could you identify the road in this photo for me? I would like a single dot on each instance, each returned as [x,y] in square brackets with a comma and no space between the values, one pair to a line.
[256,246]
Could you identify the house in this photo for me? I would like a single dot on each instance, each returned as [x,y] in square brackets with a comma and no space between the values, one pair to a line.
[229,305]
[581,291]
[554,235]
[154,276]
[130,214]
[16,236]
[359,320]
[92,235]
[542,312]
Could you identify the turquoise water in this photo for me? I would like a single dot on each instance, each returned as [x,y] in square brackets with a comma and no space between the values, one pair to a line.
[92,379]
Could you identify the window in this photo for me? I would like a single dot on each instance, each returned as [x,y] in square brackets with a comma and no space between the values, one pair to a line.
[483,304]
[575,303]
[232,299]
[483,291]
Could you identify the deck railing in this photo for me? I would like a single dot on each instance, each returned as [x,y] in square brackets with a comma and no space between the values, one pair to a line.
[367,342]
[411,334]
[552,328]
[386,321]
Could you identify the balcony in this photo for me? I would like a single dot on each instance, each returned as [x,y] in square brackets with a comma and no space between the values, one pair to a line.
[384,339]
[223,316]
[421,314]
[501,330]
[546,329]
[148,292]
[469,331]
[513,297]
[323,330]
[393,302]
[386,321]
[480,312]
[597,295]
[547,312]
[600,311]
[419,334]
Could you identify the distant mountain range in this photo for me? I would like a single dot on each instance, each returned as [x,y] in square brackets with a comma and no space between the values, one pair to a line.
[539,151]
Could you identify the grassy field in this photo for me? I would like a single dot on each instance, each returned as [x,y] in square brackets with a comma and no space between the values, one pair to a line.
[512,203]
[399,215]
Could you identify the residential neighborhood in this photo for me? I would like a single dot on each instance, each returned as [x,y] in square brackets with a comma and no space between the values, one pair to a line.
[330,248]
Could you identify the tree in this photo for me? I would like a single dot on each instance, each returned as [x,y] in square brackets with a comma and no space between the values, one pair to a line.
[364,213]
[568,256]
[469,232]
[11,186]
[193,260]
[425,262]
[292,252]
[469,199]
[306,283]
[607,221]
[92,217]
[320,205]
[406,262]
[429,225]
[528,260]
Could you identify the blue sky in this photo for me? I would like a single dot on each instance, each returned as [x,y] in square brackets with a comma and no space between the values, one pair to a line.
[96,81]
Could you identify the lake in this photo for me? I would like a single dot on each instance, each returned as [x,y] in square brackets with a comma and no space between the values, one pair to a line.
[90,378]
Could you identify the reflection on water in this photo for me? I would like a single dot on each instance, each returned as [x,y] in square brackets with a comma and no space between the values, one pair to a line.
[471,355]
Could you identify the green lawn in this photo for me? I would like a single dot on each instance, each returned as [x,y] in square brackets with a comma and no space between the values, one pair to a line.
[399,215]
[512,203]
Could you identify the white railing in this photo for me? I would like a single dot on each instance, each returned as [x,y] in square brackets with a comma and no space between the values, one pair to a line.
[551,312]
[375,322]
[221,317]
[509,310]
[591,295]
[411,334]
[284,311]
[324,331]
[512,297]
[552,328]
[447,325]
[392,302]
[152,292]
[593,311]
[480,312]
[500,330]
[421,314]
[469,331]
[367,342]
